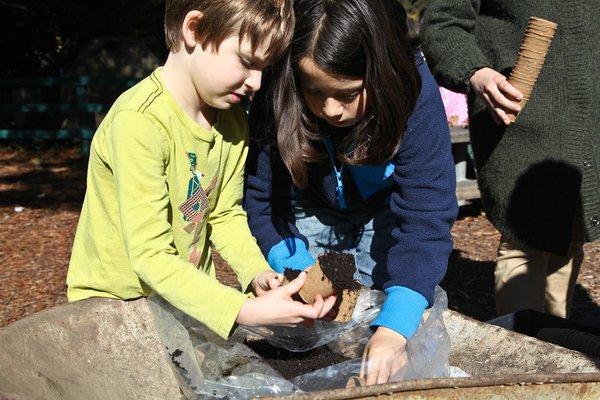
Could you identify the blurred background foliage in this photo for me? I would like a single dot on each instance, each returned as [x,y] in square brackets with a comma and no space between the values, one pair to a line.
[45,37]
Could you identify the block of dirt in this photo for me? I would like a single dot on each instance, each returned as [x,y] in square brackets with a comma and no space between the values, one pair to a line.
[292,364]
[339,268]
[291,274]
[333,273]
[344,306]
[316,283]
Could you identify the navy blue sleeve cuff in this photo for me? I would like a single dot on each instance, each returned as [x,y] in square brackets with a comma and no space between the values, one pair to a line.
[402,311]
[290,253]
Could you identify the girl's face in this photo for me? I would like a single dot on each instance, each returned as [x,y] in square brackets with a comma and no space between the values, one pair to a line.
[340,101]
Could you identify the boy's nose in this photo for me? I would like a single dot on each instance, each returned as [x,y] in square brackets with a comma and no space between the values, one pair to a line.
[332,108]
[254,79]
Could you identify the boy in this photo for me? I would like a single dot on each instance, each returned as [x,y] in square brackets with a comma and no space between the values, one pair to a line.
[165,175]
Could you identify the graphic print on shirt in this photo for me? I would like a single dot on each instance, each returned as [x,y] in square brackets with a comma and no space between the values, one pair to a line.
[196,206]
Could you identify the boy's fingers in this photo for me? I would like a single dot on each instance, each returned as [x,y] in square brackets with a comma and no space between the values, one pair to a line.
[295,285]
[289,324]
[330,315]
[317,306]
[291,321]
[274,282]
[307,311]
[327,306]
[319,301]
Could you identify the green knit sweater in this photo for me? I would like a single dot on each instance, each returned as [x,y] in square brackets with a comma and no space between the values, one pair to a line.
[537,174]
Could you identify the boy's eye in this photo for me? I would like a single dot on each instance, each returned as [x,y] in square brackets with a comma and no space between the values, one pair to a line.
[247,64]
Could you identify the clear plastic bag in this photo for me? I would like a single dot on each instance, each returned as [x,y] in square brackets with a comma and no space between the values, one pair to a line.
[427,353]
[207,366]
[428,350]
[302,338]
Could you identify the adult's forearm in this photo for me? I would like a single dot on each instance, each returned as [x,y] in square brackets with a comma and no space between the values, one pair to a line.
[449,43]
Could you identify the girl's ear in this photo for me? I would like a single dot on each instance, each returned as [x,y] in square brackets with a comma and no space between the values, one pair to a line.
[188,29]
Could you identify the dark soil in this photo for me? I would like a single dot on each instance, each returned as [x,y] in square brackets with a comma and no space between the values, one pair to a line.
[291,364]
[291,274]
[339,268]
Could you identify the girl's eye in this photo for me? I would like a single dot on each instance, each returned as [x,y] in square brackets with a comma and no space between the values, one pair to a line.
[351,96]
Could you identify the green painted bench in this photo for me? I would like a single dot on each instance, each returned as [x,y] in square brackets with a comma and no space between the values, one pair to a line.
[41,108]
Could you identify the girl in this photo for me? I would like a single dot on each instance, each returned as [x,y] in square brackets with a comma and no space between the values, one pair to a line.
[355,156]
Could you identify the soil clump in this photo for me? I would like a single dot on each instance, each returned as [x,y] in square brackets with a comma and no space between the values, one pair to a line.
[333,273]
[339,268]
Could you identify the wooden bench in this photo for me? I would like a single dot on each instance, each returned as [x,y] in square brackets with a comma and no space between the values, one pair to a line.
[56,107]
[466,189]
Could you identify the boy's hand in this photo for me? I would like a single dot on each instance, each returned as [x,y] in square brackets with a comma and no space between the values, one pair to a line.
[276,307]
[266,281]
[499,95]
[384,355]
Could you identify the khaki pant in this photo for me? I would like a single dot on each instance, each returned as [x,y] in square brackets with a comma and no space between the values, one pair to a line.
[537,280]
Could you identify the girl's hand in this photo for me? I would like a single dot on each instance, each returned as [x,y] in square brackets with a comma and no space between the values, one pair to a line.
[499,95]
[384,355]
[276,307]
[266,281]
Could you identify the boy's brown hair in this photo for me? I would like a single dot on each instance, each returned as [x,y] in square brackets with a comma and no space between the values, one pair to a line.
[257,20]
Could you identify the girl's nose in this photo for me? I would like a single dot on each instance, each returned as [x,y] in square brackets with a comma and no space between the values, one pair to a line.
[332,108]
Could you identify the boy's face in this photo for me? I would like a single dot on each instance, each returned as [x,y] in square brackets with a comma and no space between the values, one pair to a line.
[223,77]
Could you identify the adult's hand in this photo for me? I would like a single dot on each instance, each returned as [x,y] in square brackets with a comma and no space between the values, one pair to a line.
[499,96]
[276,307]
[384,355]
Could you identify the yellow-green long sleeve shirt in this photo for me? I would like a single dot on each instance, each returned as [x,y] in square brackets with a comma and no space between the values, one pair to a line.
[160,189]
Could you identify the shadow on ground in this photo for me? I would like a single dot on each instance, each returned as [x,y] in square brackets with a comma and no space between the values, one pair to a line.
[470,288]
[52,177]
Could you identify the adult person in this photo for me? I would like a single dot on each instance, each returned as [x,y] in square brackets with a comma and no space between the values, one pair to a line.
[539,176]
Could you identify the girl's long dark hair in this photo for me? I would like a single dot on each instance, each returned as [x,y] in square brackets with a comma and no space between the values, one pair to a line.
[366,39]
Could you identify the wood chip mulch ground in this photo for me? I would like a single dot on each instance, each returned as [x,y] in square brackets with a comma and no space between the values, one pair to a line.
[41,191]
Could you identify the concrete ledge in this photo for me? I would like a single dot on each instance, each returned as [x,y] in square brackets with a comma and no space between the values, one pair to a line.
[483,349]
[110,349]
[91,349]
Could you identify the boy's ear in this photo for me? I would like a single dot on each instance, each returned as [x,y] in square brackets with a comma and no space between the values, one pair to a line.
[188,29]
